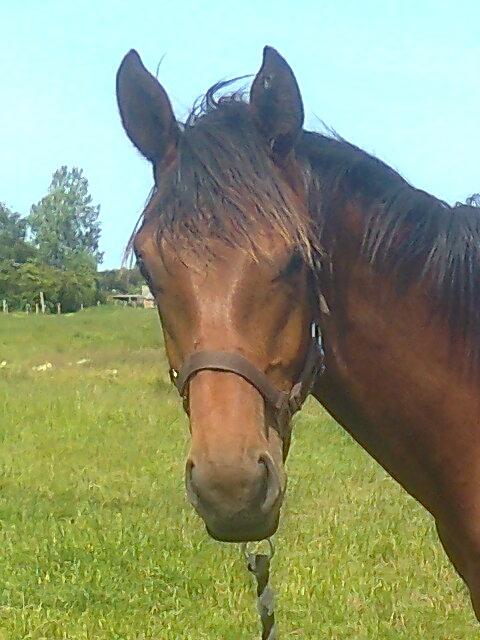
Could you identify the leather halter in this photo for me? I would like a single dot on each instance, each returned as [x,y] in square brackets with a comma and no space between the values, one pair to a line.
[284,404]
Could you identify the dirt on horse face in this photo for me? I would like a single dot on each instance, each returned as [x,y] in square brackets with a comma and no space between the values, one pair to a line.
[223,247]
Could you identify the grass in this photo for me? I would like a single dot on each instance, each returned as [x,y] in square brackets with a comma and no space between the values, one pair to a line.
[97,540]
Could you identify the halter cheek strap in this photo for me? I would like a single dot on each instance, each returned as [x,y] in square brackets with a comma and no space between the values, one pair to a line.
[284,404]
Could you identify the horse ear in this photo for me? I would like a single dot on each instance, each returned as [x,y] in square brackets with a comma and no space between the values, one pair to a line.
[145,109]
[276,103]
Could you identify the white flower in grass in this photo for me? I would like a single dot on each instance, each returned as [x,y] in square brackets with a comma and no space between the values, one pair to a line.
[43,367]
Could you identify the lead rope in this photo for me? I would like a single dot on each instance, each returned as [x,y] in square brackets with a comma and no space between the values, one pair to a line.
[259,565]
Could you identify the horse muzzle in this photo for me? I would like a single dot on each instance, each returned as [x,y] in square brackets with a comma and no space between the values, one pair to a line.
[238,503]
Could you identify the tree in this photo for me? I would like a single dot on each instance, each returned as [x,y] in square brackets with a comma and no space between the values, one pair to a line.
[65,223]
[61,261]
[13,230]
[79,283]
[15,251]
[120,280]
[20,284]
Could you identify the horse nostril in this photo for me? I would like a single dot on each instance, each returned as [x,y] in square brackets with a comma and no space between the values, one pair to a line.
[219,487]
[273,488]
[189,483]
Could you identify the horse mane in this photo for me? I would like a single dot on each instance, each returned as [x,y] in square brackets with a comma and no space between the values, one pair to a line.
[224,179]
[409,234]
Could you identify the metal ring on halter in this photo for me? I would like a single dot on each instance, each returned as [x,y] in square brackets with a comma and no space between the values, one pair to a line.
[247,553]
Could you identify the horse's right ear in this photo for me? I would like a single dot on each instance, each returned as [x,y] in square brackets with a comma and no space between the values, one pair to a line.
[146,112]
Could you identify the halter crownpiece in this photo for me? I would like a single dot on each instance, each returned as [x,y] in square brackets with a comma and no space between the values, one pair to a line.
[284,404]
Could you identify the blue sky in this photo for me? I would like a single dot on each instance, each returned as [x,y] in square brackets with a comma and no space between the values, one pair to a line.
[399,78]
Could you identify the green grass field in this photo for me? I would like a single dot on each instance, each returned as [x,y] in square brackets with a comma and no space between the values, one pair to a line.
[97,540]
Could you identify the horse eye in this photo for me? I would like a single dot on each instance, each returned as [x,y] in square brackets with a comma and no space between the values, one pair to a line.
[144,273]
[293,266]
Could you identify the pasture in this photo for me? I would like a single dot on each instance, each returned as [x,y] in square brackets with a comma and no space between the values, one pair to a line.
[98,542]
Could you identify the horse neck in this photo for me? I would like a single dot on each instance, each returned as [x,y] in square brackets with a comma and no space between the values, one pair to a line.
[388,355]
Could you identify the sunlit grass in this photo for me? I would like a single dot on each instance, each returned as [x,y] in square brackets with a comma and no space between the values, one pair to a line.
[97,540]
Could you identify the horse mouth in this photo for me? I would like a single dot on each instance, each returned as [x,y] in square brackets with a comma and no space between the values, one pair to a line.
[243,527]
[249,533]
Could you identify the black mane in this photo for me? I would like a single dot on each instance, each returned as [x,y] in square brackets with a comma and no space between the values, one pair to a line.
[409,234]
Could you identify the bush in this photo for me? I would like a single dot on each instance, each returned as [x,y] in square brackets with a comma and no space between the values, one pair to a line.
[20,284]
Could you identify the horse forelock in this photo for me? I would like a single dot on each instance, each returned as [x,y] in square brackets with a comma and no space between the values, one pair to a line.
[223,184]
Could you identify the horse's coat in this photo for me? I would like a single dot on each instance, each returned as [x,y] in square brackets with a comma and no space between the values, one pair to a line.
[256,226]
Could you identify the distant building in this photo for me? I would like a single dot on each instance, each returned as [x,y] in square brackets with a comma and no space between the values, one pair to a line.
[148,299]
[144,298]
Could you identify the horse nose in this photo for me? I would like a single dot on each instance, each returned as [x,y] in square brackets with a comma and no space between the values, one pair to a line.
[229,489]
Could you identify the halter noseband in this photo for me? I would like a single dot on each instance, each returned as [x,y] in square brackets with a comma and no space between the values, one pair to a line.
[284,404]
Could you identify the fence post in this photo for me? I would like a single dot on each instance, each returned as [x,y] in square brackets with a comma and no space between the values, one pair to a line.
[81,306]
[36,308]
[42,301]
[27,308]
[5,306]
[59,308]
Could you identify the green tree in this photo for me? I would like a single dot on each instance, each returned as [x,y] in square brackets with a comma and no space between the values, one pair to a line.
[120,280]
[13,231]
[65,222]
[79,282]
[20,284]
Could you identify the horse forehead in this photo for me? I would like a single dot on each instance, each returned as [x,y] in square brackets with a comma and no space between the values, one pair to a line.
[215,270]
[227,274]
[263,252]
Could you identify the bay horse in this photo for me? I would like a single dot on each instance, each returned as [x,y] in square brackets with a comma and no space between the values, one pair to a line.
[257,236]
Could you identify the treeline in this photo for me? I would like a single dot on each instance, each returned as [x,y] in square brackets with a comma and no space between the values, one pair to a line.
[120,281]
[55,249]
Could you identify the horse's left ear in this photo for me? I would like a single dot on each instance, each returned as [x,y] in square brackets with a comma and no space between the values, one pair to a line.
[276,103]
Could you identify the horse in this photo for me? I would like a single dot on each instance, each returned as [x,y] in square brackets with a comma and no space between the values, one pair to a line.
[286,262]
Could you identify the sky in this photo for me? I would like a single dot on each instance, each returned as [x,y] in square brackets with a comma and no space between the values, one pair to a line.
[401,79]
